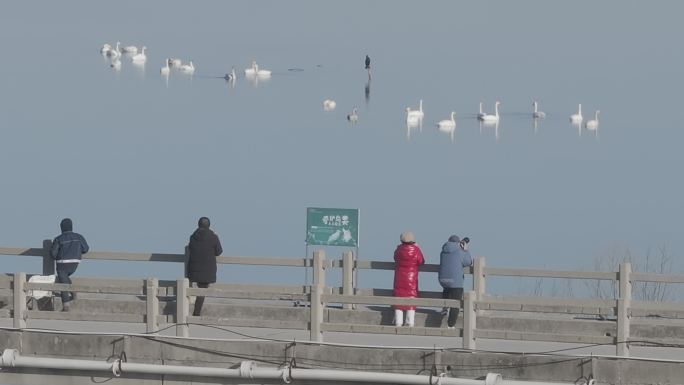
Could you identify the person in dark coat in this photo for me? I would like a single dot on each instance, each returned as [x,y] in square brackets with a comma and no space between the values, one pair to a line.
[407,258]
[203,249]
[67,250]
[452,260]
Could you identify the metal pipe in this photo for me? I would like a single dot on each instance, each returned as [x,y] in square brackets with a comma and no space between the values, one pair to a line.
[248,369]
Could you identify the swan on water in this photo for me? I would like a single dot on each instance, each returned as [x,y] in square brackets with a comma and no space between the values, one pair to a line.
[447,123]
[536,113]
[173,62]
[481,113]
[415,113]
[577,118]
[188,68]
[255,71]
[594,123]
[131,49]
[114,53]
[165,69]
[252,71]
[262,73]
[141,57]
[105,49]
[353,117]
[488,118]
[231,75]
[116,64]
[329,105]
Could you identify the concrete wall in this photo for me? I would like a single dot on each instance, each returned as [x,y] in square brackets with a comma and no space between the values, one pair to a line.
[229,353]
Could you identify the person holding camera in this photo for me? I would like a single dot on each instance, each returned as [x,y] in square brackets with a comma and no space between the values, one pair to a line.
[453,258]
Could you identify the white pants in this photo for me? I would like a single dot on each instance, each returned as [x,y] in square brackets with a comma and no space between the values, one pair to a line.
[399,317]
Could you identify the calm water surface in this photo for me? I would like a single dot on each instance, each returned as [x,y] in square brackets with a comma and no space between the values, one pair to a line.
[135,158]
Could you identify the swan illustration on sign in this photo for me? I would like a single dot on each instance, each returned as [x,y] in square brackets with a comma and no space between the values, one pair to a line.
[332,227]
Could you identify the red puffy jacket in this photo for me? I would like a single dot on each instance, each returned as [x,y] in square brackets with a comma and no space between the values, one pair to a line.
[407,258]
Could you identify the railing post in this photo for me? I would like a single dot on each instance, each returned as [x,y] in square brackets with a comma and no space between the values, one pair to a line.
[19,300]
[182,308]
[479,277]
[152,302]
[623,309]
[316,332]
[469,320]
[48,261]
[186,251]
[347,276]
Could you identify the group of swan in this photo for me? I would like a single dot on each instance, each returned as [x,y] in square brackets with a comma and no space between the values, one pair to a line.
[577,118]
[255,71]
[115,53]
[413,117]
[178,64]
[489,118]
[329,105]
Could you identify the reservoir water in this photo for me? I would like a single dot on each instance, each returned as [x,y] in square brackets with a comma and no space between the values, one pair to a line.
[135,158]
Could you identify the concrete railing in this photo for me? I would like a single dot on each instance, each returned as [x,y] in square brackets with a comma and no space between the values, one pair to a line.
[623,308]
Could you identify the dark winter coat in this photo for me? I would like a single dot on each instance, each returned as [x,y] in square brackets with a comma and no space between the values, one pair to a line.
[407,258]
[203,249]
[69,246]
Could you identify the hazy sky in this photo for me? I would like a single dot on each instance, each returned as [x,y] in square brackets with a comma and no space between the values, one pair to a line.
[135,159]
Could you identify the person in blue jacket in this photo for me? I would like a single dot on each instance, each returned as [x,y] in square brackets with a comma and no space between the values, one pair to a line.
[67,250]
[453,258]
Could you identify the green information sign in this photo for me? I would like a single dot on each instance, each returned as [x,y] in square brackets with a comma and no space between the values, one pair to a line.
[332,227]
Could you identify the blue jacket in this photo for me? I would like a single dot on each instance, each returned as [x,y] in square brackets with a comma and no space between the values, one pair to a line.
[452,260]
[69,246]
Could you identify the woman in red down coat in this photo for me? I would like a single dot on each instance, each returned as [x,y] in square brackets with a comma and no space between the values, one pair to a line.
[407,258]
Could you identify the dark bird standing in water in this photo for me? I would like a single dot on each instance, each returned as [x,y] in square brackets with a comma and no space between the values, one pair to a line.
[368,62]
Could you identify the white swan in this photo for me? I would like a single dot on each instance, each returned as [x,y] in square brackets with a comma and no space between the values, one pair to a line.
[131,49]
[415,113]
[114,53]
[230,76]
[173,62]
[577,118]
[188,68]
[105,49]
[481,113]
[329,105]
[594,123]
[116,64]
[536,113]
[255,71]
[262,73]
[252,71]
[488,118]
[141,57]
[353,117]
[447,123]
[165,69]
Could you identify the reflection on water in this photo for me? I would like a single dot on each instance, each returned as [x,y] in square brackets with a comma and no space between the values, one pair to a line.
[366,89]
[450,130]
[413,123]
